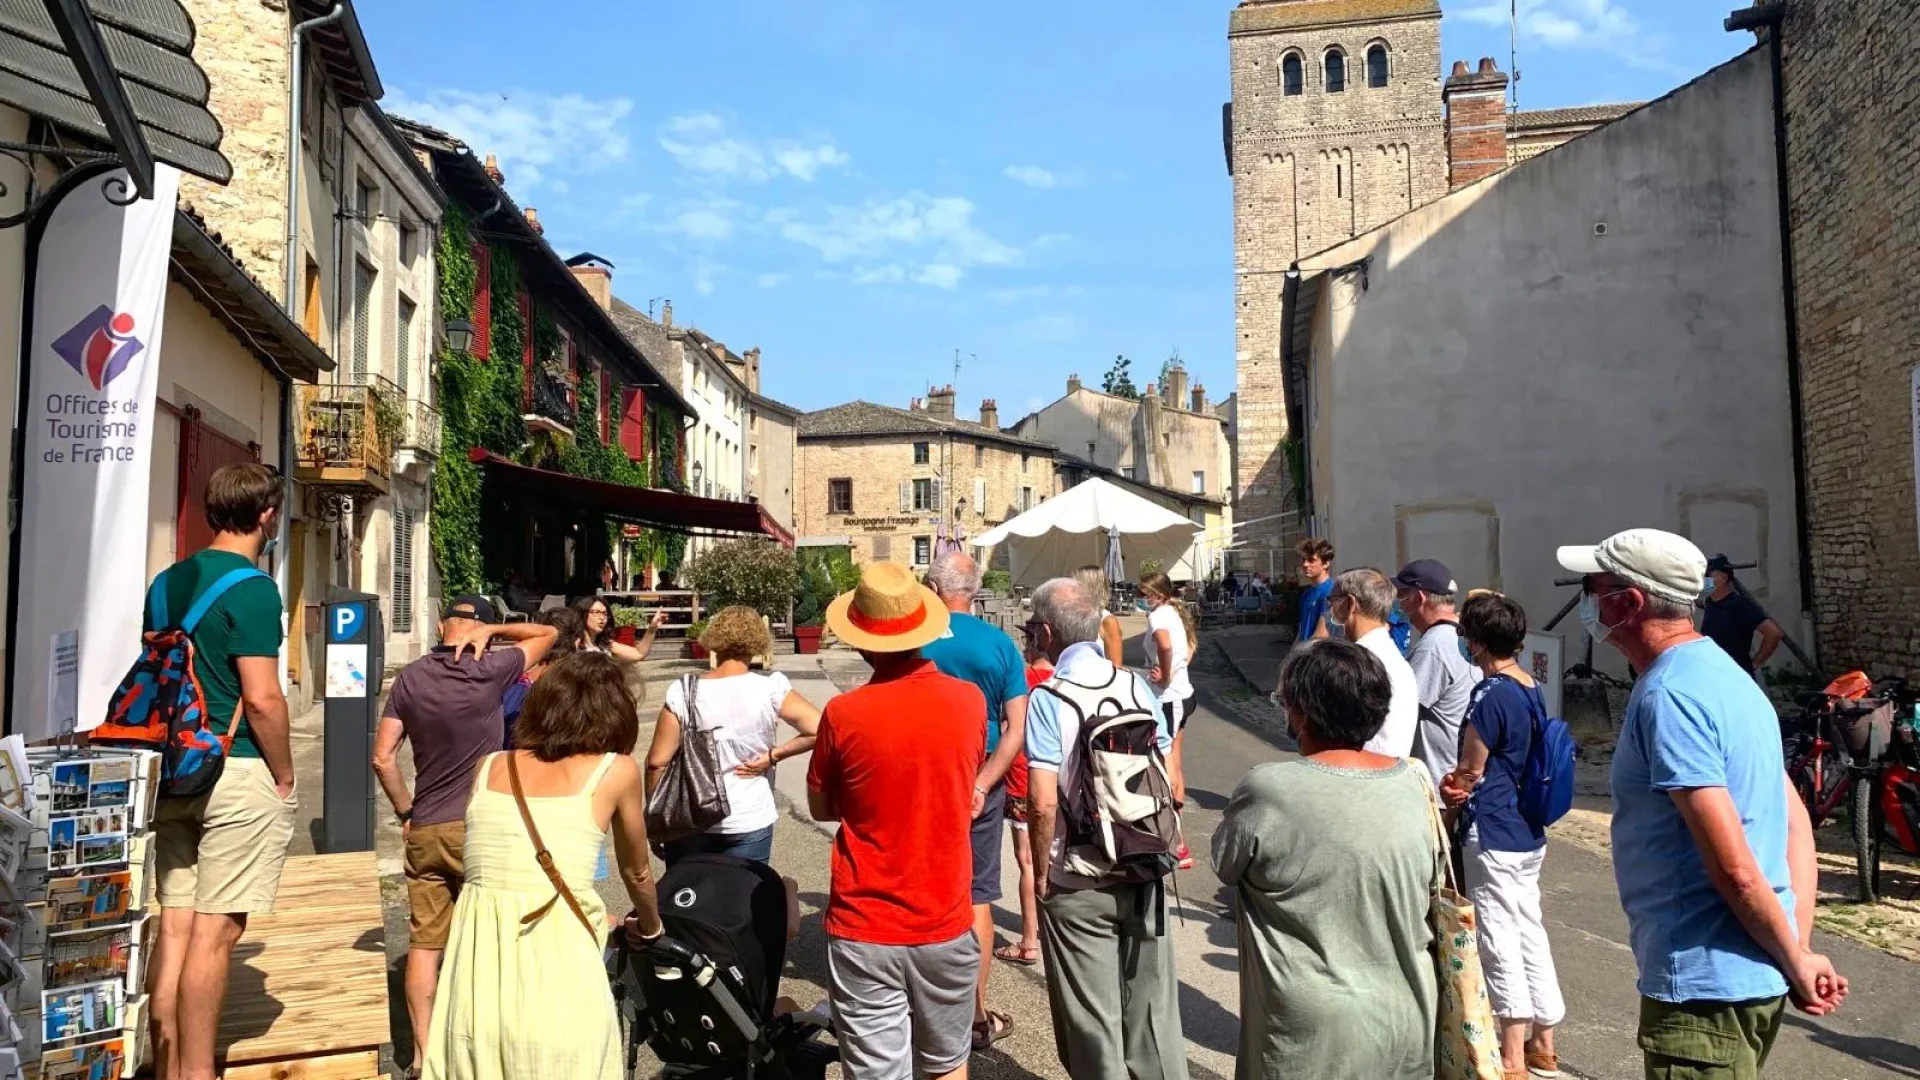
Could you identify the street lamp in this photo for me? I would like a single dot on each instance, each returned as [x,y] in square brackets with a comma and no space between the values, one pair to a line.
[697,471]
[459,335]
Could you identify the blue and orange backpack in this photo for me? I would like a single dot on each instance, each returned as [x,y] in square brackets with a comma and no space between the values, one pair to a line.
[161,705]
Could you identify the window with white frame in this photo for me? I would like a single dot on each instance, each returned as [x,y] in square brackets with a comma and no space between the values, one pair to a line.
[922,453]
[1199,482]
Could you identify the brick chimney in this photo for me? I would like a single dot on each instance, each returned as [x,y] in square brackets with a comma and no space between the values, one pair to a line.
[666,314]
[940,402]
[1199,398]
[1073,383]
[1175,391]
[492,169]
[990,414]
[1476,122]
[533,221]
[753,369]
[597,279]
[1153,390]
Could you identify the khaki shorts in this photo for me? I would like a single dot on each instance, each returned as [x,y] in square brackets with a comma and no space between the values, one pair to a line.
[435,870]
[221,852]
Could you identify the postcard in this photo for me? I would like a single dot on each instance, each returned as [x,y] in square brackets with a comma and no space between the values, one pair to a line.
[87,839]
[89,957]
[11,972]
[103,850]
[88,902]
[16,833]
[111,783]
[78,1014]
[95,1061]
[16,777]
[71,781]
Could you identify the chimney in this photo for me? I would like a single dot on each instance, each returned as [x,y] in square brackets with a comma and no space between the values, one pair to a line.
[1153,390]
[1175,391]
[1476,104]
[1073,383]
[753,369]
[940,403]
[492,169]
[533,220]
[666,314]
[1199,398]
[915,406]
[597,279]
[990,414]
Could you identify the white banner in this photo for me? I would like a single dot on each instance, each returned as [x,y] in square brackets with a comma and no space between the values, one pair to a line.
[93,363]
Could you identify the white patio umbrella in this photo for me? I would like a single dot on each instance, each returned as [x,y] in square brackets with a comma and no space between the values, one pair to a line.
[1092,523]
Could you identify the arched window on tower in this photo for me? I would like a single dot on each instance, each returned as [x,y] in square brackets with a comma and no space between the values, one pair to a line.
[1336,71]
[1292,75]
[1376,65]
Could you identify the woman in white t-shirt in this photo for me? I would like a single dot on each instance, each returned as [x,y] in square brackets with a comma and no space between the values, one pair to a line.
[743,709]
[1170,644]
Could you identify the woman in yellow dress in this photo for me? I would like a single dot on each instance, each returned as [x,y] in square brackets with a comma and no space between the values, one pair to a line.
[523,989]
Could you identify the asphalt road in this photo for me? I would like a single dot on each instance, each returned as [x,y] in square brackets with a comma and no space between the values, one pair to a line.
[1876,1035]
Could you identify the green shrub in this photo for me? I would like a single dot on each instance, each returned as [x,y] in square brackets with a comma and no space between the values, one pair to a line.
[757,573]
[997,581]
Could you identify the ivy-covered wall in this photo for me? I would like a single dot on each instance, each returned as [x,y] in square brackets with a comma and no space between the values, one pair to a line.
[481,405]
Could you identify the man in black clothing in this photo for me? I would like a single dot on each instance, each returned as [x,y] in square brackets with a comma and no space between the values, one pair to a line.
[1733,616]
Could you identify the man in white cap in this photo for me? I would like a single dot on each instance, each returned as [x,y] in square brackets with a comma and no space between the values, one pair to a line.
[1712,852]
[895,766]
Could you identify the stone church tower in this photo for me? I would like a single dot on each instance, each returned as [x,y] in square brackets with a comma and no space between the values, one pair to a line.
[1336,126]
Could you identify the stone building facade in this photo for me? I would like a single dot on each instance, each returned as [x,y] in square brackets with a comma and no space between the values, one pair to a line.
[893,482]
[1170,438]
[1855,234]
[1338,124]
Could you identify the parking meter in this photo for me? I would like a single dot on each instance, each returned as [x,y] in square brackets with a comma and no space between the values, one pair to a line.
[355,665]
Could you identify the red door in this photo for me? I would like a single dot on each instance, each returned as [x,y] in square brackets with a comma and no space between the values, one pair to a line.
[203,451]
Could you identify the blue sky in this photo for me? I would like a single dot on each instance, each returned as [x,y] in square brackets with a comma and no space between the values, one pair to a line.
[863,187]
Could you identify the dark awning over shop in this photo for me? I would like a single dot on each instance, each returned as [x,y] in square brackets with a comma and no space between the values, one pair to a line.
[657,509]
[119,70]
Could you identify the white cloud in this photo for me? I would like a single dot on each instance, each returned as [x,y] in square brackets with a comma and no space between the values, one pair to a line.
[535,136]
[704,273]
[1031,175]
[1600,25]
[703,143]
[770,281]
[925,239]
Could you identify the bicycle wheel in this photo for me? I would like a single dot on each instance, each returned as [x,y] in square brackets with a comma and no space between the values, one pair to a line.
[1866,836]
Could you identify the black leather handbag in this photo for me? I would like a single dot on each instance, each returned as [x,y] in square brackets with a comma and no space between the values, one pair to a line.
[692,794]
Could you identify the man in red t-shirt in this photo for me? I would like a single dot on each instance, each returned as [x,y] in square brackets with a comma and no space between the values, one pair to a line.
[895,766]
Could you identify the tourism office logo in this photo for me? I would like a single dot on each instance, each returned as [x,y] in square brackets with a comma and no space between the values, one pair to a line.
[100,346]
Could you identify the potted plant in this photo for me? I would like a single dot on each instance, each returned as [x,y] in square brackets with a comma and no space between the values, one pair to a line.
[809,616]
[696,650]
[627,622]
[821,579]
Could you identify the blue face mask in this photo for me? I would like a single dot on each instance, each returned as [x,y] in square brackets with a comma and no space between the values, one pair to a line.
[267,549]
[1465,651]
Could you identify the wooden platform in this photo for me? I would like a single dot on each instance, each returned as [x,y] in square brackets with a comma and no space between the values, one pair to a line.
[307,994]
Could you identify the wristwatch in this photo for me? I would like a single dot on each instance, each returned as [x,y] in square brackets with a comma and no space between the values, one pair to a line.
[403,816]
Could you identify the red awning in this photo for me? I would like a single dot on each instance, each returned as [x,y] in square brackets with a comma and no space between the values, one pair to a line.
[652,507]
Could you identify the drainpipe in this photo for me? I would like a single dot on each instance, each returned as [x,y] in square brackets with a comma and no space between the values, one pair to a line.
[1768,17]
[283,569]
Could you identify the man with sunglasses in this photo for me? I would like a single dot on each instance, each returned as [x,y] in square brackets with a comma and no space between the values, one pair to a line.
[1712,852]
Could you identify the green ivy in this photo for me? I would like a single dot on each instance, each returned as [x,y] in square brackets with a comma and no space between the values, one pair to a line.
[481,405]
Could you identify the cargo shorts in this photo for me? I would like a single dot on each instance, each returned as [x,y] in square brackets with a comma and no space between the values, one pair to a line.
[221,852]
[436,868]
[1708,1040]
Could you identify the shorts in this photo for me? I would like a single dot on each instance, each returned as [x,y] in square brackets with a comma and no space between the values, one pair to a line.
[1708,1040]
[756,845]
[1019,808]
[436,868]
[1176,714]
[887,998]
[986,846]
[221,852]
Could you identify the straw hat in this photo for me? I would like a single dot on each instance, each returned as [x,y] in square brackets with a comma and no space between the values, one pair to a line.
[888,612]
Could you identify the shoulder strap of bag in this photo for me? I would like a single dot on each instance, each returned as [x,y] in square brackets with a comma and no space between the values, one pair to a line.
[542,855]
[1442,842]
[214,592]
[689,689]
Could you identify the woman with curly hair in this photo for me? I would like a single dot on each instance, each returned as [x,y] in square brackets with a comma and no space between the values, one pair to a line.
[743,709]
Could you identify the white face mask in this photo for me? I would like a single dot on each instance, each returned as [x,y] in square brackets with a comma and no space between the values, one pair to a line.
[1590,617]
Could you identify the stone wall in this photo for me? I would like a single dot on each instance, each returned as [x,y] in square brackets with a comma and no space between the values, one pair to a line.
[1310,171]
[243,47]
[879,464]
[1853,104]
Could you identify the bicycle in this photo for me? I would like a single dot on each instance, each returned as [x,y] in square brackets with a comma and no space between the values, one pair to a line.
[1886,801]
[1823,764]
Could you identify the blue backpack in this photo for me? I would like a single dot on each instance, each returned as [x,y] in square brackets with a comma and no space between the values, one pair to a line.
[161,705]
[1546,783]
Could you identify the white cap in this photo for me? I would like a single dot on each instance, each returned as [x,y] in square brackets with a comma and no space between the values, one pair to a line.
[1665,564]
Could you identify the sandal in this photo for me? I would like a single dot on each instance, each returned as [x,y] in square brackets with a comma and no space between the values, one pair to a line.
[996,1026]
[1021,953]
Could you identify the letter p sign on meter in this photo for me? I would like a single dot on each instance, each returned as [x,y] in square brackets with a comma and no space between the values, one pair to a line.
[347,620]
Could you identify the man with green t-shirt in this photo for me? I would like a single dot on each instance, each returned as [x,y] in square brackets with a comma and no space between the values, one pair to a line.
[218,854]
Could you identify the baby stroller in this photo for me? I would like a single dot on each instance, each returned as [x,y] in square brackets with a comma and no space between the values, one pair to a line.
[702,997]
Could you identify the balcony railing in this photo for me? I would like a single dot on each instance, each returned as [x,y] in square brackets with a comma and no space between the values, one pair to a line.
[422,432]
[347,432]
[552,405]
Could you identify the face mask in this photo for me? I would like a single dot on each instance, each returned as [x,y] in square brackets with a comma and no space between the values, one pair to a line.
[1465,651]
[1706,591]
[267,549]
[1590,618]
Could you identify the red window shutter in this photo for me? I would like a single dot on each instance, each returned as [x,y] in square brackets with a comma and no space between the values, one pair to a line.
[633,423]
[526,352]
[482,301]
[606,403]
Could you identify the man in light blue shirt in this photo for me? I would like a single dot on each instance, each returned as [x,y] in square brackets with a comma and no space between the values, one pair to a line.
[1083,921]
[1712,851]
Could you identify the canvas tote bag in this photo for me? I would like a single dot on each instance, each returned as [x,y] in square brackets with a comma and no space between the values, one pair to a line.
[692,796]
[1466,1043]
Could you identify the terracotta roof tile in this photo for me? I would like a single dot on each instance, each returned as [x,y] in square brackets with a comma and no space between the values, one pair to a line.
[1532,119]
[866,418]
[1259,16]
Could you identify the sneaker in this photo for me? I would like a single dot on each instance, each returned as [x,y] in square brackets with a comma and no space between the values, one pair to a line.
[1542,1065]
[1183,859]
